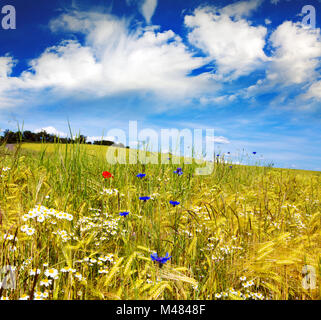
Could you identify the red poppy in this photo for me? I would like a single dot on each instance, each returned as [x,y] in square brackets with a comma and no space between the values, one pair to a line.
[107,175]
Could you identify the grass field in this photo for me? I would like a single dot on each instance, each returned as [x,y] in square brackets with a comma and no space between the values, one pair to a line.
[243,232]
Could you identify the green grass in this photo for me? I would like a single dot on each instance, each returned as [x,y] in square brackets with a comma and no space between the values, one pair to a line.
[246,221]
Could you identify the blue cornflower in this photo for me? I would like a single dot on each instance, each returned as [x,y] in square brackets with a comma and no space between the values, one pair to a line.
[178,171]
[141,175]
[254,152]
[144,198]
[174,203]
[160,260]
[231,167]
[124,214]
[217,155]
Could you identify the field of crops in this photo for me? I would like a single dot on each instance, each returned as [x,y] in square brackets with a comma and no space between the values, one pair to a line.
[75,227]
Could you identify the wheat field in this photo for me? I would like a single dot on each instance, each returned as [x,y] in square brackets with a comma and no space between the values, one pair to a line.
[70,232]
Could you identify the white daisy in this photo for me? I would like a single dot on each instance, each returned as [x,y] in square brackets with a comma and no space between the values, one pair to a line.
[52,273]
[46,282]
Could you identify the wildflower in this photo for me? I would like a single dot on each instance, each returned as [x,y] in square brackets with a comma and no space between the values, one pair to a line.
[59,215]
[231,167]
[100,271]
[243,278]
[33,272]
[141,175]
[174,203]
[69,217]
[51,273]
[46,282]
[24,228]
[154,195]
[144,198]
[25,217]
[107,175]
[109,191]
[218,295]
[8,237]
[28,230]
[41,218]
[47,197]
[24,297]
[250,283]
[68,269]
[4,298]
[78,276]
[179,171]
[160,260]
[37,295]
[124,214]
[254,152]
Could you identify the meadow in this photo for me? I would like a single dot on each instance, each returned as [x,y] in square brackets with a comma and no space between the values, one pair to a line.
[75,227]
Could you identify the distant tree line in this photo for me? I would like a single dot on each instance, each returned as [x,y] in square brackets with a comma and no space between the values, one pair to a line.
[29,136]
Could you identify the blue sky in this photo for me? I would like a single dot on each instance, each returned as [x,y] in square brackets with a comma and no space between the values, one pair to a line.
[248,69]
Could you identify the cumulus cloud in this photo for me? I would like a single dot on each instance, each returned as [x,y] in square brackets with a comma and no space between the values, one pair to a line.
[67,66]
[113,60]
[53,131]
[116,59]
[228,39]
[297,53]
[219,140]
[294,63]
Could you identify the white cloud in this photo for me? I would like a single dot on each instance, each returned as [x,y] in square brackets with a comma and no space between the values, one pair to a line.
[294,63]
[67,66]
[314,91]
[297,54]
[53,131]
[219,100]
[6,65]
[148,8]
[100,138]
[231,41]
[113,60]
[241,9]
[219,140]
